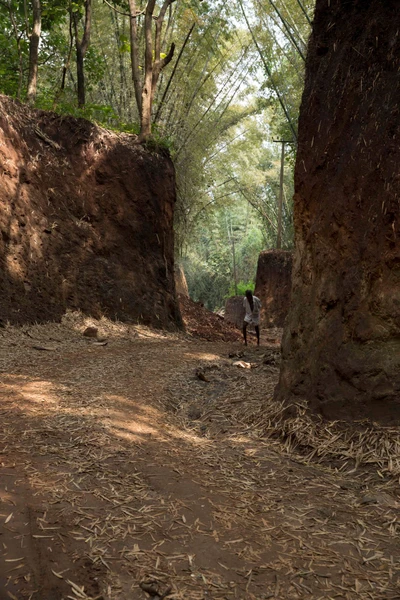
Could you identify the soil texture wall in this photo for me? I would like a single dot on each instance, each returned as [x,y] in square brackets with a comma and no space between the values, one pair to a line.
[273,284]
[341,345]
[234,311]
[86,221]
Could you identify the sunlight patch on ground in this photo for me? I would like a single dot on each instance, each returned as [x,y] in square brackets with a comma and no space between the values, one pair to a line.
[41,397]
[142,423]
[146,421]
[78,322]
[140,431]
[38,392]
[26,393]
[202,356]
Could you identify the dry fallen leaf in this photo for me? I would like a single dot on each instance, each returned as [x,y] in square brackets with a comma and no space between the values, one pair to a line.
[242,364]
[14,559]
[57,574]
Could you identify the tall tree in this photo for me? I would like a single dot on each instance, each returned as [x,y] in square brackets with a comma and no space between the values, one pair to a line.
[134,13]
[18,34]
[81,43]
[153,62]
[34,39]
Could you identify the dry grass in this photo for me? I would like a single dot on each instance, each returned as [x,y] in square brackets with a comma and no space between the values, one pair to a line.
[248,406]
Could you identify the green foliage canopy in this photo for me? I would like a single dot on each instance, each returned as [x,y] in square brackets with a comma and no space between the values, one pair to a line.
[233,87]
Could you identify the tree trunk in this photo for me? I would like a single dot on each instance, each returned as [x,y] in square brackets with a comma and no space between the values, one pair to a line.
[341,346]
[80,74]
[235,282]
[145,121]
[33,51]
[81,49]
[280,201]
[19,48]
[135,55]
[152,67]
[66,65]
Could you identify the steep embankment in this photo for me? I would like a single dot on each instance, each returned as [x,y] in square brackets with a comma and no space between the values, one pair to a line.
[273,283]
[86,220]
[341,346]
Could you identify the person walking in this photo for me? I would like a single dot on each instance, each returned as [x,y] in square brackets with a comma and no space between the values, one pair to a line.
[252,306]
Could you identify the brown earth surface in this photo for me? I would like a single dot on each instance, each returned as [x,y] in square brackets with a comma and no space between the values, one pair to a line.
[234,311]
[273,286]
[86,222]
[341,346]
[205,324]
[141,464]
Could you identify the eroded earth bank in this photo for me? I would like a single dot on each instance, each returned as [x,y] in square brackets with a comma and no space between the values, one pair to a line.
[86,222]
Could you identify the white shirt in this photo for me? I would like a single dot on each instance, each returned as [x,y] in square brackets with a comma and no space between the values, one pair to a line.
[252,315]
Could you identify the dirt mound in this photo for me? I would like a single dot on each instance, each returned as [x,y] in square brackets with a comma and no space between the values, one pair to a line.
[234,311]
[86,222]
[341,347]
[273,285]
[205,324]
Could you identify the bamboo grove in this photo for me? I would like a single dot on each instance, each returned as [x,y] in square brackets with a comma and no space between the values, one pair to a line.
[214,82]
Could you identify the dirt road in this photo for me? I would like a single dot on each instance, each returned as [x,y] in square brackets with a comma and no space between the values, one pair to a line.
[134,470]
